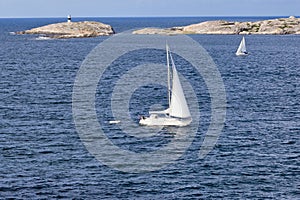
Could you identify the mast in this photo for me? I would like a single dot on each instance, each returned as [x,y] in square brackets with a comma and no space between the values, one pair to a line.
[169,82]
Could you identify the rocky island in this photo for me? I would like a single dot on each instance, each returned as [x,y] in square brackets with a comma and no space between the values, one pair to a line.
[278,26]
[72,30]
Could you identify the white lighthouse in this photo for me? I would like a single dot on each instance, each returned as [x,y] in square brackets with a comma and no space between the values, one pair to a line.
[69,18]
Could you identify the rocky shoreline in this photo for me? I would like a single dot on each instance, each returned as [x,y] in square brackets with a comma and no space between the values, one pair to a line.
[278,26]
[85,29]
[72,30]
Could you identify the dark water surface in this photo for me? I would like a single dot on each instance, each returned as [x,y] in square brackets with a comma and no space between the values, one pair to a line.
[257,155]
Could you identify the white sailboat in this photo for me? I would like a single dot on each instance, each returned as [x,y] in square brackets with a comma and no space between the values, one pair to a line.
[178,113]
[242,51]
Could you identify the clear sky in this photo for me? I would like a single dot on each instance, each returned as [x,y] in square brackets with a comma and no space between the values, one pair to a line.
[139,8]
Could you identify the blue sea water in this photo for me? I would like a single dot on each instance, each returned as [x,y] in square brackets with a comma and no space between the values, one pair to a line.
[42,156]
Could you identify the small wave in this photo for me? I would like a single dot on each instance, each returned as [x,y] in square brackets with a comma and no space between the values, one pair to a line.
[12,33]
[44,38]
[4,96]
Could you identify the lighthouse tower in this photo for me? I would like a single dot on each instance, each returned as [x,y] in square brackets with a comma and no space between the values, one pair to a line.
[69,18]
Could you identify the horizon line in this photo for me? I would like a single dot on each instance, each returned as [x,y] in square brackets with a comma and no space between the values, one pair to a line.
[163,16]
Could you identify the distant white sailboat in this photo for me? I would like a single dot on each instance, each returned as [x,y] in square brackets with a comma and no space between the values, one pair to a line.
[242,51]
[178,113]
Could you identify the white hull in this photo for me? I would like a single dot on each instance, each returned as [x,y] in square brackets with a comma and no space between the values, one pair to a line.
[241,54]
[154,120]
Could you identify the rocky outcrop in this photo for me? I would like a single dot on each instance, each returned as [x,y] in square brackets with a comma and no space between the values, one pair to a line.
[289,25]
[72,30]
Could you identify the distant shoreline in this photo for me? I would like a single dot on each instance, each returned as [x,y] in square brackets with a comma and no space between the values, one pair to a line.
[276,26]
[197,25]
[65,30]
